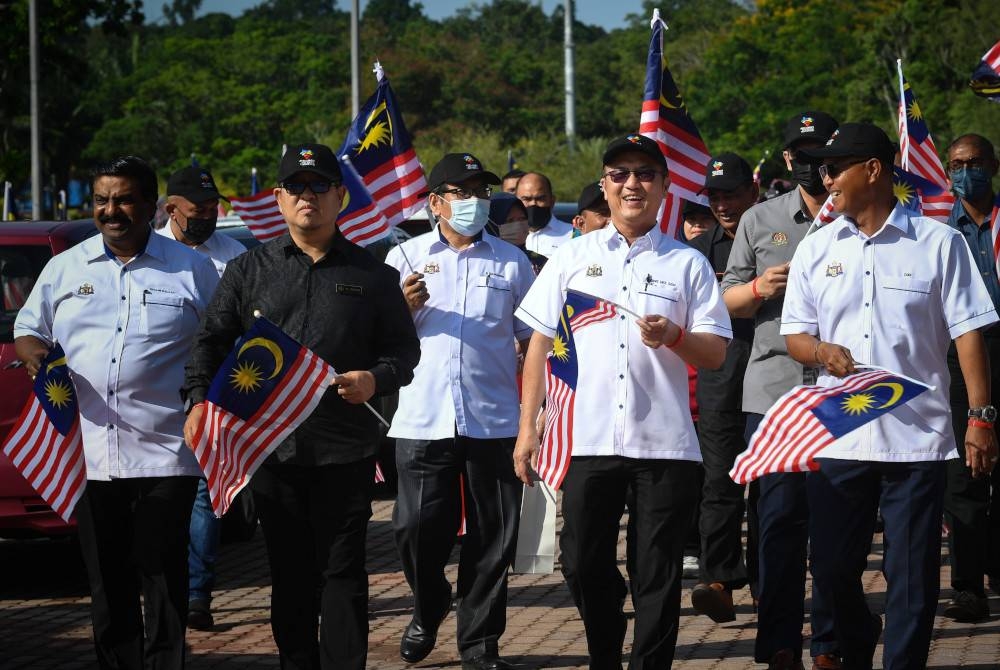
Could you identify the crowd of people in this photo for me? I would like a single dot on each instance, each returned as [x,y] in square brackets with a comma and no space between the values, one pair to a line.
[752,298]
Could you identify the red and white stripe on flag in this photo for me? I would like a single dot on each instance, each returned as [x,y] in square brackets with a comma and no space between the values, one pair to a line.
[790,436]
[995,232]
[397,186]
[261,215]
[54,464]
[557,443]
[230,449]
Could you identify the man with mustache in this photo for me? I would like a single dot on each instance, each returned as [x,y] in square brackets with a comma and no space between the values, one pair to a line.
[125,305]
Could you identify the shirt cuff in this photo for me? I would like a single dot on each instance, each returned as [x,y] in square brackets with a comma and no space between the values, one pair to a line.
[385,379]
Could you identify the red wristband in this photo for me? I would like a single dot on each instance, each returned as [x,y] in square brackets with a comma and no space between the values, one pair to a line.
[753,287]
[677,341]
[979,423]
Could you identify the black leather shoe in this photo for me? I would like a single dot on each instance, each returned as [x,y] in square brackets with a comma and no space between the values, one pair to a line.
[417,642]
[967,607]
[486,662]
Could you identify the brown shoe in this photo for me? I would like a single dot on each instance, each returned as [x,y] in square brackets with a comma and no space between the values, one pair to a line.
[714,601]
[827,662]
[785,660]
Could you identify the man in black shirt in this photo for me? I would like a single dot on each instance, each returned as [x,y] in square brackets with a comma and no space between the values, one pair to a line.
[721,422]
[313,494]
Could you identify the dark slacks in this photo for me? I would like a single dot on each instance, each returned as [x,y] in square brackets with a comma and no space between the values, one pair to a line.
[845,497]
[721,438]
[134,536]
[434,476]
[315,521]
[593,503]
[783,517]
[971,506]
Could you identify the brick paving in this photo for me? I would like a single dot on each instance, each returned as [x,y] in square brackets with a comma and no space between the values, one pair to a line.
[44,616]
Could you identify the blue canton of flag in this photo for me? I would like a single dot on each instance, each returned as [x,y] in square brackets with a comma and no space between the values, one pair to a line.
[850,409]
[909,188]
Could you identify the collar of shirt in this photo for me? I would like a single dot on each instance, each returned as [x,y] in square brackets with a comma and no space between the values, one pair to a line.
[337,247]
[478,237]
[898,218]
[111,255]
[960,218]
[797,209]
[614,239]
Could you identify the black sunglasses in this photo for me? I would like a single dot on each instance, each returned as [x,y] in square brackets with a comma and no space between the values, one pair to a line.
[620,176]
[833,170]
[317,187]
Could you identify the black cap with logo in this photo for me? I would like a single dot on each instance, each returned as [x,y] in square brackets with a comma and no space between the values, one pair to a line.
[863,140]
[458,168]
[634,142]
[590,196]
[809,125]
[727,172]
[195,184]
[317,158]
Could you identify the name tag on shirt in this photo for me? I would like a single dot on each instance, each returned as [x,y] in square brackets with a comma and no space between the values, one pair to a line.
[494,281]
[350,289]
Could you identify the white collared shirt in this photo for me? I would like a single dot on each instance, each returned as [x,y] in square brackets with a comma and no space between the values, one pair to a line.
[546,240]
[127,330]
[896,300]
[630,400]
[466,381]
[219,247]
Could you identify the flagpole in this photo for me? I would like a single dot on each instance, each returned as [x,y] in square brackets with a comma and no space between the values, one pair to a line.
[355,61]
[570,75]
[6,200]
[36,121]
[904,152]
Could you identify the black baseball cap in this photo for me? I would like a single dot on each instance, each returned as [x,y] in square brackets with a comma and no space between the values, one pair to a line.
[590,196]
[864,140]
[317,158]
[195,184]
[637,143]
[727,172]
[694,209]
[456,169]
[809,125]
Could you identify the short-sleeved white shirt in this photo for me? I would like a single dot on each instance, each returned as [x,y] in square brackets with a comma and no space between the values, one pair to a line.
[467,377]
[546,240]
[896,300]
[631,400]
[219,247]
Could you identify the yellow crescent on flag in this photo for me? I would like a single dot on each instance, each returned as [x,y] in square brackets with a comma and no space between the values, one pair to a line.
[271,346]
[897,393]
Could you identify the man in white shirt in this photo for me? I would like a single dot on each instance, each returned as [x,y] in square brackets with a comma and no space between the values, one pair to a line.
[545,232]
[882,286]
[192,208]
[456,422]
[125,306]
[632,426]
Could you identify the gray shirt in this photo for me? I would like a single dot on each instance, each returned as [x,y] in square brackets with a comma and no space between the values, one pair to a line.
[768,235]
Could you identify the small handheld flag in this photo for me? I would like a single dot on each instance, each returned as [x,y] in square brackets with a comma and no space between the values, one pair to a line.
[985,81]
[45,445]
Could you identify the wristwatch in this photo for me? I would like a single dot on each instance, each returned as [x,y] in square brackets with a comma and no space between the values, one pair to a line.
[987,413]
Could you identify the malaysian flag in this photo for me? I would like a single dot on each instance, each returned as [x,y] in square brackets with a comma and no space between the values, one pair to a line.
[985,80]
[579,311]
[808,419]
[995,232]
[917,152]
[380,148]
[45,444]
[261,215]
[268,385]
[908,188]
[665,119]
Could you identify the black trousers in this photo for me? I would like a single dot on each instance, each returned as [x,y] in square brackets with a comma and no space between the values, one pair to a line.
[971,506]
[134,536]
[434,476]
[593,502]
[720,436]
[315,522]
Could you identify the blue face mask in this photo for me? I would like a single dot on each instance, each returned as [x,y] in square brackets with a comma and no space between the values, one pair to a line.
[971,183]
[469,216]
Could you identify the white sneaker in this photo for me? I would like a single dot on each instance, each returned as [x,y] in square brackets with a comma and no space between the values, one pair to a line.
[690,567]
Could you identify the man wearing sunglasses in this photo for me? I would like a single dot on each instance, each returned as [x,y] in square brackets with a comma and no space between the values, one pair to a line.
[456,423]
[777,508]
[631,430]
[883,286]
[313,493]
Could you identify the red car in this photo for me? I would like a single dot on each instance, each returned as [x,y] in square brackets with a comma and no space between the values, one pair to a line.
[25,248]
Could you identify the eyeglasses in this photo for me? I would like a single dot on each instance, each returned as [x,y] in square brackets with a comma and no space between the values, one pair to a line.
[620,176]
[465,193]
[833,170]
[956,165]
[317,187]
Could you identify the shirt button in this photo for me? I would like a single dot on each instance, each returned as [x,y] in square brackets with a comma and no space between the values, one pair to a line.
[628,261]
[111,392]
[624,288]
[622,317]
[119,329]
[866,337]
[123,297]
[110,427]
[114,360]
[868,272]
[621,406]
[622,346]
[867,304]
[621,376]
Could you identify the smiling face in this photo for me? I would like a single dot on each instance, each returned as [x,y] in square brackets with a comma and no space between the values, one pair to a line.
[849,182]
[122,214]
[728,206]
[634,203]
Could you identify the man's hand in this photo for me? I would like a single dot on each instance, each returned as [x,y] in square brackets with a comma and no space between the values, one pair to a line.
[415,291]
[772,283]
[526,455]
[355,387]
[836,359]
[980,450]
[31,351]
[192,422]
[656,330]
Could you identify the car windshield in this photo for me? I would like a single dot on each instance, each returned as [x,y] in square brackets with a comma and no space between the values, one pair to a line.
[19,268]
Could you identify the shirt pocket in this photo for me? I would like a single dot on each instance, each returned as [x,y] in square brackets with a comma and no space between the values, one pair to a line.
[161,315]
[492,298]
[906,299]
[662,299]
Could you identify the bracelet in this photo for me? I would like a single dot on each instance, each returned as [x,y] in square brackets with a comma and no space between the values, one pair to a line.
[753,287]
[816,353]
[979,423]
[677,340]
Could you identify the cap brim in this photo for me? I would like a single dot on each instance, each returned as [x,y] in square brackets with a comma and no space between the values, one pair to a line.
[201,196]
[612,154]
[487,176]
[314,170]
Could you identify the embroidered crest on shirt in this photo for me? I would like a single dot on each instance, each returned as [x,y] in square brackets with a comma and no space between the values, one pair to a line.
[835,269]
[431,267]
[595,270]
[779,239]
[85,289]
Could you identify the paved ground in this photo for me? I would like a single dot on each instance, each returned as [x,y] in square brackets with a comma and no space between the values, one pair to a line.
[44,620]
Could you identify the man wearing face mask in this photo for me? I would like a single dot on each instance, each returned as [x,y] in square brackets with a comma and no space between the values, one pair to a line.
[754,287]
[456,423]
[546,232]
[192,207]
[971,508]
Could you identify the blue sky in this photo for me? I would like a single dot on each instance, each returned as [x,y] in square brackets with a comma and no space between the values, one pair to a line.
[597,12]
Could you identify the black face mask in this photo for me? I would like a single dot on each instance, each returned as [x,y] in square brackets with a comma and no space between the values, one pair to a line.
[199,230]
[807,176]
[538,217]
